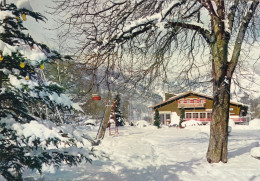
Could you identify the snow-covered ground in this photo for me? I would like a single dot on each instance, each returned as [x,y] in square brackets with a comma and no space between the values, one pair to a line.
[148,153]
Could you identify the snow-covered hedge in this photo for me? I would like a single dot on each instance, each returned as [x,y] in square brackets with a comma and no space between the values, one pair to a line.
[142,123]
[254,122]
[191,123]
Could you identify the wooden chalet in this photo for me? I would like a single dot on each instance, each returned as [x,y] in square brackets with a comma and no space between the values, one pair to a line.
[196,107]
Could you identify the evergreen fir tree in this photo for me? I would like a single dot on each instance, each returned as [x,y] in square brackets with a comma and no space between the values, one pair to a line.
[27,138]
[156,119]
[118,114]
[182,116]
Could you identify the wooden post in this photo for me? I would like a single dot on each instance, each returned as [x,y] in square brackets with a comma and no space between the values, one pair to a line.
[103,128]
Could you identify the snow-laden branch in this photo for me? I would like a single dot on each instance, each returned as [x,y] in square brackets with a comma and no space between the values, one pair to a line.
[159,20]
[158,17]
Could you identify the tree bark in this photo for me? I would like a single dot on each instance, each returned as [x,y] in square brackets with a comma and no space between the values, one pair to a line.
[222,71]
[1,79]
[1,85]
[217,150]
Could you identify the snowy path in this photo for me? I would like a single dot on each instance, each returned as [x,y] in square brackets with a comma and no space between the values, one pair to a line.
[147,154]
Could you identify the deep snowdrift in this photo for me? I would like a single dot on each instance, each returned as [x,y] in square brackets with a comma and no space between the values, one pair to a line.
[149,153]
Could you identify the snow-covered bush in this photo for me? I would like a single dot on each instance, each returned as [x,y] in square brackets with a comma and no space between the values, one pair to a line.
[254,122]
[91,122]
[30,133]
[142,123]
[255,152]
[231,123]
[191,123]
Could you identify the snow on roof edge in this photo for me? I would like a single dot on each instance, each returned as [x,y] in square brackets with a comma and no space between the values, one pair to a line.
[191,92]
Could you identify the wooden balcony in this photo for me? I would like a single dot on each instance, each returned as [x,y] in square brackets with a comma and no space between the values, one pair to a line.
[191,105]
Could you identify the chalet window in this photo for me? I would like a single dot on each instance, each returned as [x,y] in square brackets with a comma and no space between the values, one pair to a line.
[202,115]
[243,113]
[188,115]
[208,115]
[195,115]
[168,116]
[162,118]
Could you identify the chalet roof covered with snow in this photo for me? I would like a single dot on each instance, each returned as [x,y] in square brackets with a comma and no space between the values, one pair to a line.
[185,94]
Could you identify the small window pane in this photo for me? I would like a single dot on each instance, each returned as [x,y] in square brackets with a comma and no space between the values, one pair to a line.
[202,115]
[195,115]
[209,115]
[188,115]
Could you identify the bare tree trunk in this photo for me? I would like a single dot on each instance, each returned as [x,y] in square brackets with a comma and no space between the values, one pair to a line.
[1,84]
[217,150]
[1,79]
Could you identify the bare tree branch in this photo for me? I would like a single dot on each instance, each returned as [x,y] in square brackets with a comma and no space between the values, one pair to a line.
[231,15]
[240,37]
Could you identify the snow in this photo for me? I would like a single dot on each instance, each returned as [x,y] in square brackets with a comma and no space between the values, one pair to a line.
[14,81]
[24,4]
[62,99]
[191,123]
[154,18]
[33,130]
[159,20]
[146,153]
[255,152]
[175,119]
[142,123]
[231,123]
[6,48]
[35,55]
[254,123]
[5,14]
[227,25]
[226,81]
[90,121]
[214,7]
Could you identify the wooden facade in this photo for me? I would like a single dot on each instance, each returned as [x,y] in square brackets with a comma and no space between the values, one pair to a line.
[196,107]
